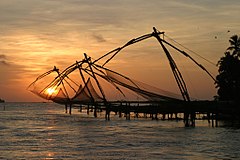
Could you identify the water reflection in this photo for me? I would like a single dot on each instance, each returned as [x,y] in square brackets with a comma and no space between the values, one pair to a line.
[50,155]
[43,131]
[230,124]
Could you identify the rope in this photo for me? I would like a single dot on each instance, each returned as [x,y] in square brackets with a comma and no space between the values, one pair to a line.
[212,63]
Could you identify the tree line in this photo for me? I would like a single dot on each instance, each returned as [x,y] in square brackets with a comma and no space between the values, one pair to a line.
[228,78]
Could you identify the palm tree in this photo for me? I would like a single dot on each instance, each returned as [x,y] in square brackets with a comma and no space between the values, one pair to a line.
[234,45]
[228,80]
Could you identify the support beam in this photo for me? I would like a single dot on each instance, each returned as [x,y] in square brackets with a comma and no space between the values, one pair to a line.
[177,74]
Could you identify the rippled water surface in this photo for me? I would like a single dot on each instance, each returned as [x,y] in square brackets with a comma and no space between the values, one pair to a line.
[44,131]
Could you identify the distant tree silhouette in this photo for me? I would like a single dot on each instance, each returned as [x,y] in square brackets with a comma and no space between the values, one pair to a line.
[235,46]
[228,79]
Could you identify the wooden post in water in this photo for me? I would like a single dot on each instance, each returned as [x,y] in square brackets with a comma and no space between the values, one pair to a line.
[216,119]
[120,111]
[70,109]
[95,111]
[65,108]
[136,114]
[107,114]
[127,112]
[193,117]
[145,115]
[208,117]
[212,120]
[151,115]
[108,110]
[164,116]
[88,109]
[120,114]
[127,115]
[186,119]
[176,116]
[80,108]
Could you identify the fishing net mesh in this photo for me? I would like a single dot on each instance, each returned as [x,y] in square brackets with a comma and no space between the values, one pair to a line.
[113,84]
[147,91]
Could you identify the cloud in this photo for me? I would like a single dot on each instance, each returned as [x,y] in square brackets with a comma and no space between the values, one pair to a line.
[98,37]
[2,56]
[3,60]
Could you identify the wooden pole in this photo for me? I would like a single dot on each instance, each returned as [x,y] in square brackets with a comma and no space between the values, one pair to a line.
[65,108]
[95,111]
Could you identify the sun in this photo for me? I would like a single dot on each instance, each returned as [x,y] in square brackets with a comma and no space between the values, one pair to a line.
[50,91]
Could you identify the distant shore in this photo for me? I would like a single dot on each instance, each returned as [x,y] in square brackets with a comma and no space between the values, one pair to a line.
[2,101]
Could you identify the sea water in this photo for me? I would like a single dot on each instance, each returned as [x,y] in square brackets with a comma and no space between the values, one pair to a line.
[44,131]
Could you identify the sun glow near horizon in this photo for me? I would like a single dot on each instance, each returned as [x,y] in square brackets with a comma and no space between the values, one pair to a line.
[51,91]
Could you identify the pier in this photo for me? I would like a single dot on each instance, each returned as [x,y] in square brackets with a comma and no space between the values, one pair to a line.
[212,111]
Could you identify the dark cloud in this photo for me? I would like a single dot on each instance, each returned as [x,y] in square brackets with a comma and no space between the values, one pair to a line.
[99,38]
[3,62]
[2,56]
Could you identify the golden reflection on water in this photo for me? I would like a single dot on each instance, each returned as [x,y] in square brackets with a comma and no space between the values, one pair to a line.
[49,139]
[50,154]
[50,127]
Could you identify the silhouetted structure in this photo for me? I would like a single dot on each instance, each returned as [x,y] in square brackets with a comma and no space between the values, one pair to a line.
[92,80]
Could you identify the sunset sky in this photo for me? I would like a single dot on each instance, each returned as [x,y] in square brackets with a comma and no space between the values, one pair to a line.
[38,34]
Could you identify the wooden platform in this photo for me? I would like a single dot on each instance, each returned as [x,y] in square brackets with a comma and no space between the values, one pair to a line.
[214,110]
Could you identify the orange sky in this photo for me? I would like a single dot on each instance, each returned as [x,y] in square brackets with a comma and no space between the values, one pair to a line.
[36,35]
